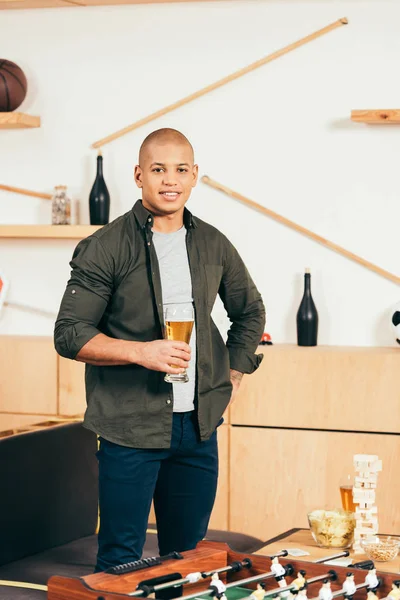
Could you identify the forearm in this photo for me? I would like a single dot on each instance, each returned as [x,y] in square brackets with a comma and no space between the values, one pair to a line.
[236,378]
[104,351]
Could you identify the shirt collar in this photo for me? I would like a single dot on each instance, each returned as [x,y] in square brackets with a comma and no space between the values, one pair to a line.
[145,218]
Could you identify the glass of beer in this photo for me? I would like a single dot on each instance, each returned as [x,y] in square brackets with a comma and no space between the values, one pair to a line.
[346,494]
[179,320]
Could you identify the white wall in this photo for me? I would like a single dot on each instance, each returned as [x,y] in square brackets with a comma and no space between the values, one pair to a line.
[281,135]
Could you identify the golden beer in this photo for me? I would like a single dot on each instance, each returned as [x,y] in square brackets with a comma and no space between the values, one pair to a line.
[179,321]
[346,493]
[179,331]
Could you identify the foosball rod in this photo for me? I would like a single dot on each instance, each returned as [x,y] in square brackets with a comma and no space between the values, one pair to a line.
[234,583]
[341,592]
[193,578]
[331,575]
[283,553]
[339,555]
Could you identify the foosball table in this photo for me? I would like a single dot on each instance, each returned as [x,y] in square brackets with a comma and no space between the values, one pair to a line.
[213,570]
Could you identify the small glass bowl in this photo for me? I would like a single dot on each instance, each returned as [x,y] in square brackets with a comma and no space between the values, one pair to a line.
[332,528]
[381,548]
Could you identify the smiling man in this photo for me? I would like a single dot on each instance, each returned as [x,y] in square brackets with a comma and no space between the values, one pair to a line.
[158,440]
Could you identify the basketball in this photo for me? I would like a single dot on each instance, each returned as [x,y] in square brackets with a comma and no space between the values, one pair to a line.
[13,86]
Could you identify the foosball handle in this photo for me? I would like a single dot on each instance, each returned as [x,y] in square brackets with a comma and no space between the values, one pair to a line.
[147,586]
[238,565]
[364,564]
[289,570]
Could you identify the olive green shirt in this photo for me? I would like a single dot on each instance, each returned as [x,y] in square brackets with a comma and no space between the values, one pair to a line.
[115,289]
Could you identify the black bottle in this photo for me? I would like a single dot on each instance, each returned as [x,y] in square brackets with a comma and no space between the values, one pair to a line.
[99,199]
[307,316]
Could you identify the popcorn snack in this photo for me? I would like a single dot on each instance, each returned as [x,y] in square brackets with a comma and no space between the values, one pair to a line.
[332,528]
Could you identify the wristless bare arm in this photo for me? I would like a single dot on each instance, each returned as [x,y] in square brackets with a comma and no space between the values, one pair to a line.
[157,355]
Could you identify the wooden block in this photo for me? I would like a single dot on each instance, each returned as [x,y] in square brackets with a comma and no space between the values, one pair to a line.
[363,494]
[364,458]
[370,479]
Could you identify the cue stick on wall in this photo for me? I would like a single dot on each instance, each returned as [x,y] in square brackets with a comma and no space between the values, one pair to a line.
[10,188]
[220,82]
[314,236]
[31,309]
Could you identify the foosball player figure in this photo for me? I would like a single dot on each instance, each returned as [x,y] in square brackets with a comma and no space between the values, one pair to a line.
[278,571]
[259,593]
[349,587]
[371,595]
[325,593]
[394,593]
[217,587]
[302,595]
[372,580]
[279,574]
[299,582]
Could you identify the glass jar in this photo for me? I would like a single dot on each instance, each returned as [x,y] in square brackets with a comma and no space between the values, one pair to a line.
[60,206]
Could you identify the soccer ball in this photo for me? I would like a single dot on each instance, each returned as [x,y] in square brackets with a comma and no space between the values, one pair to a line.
[396,322]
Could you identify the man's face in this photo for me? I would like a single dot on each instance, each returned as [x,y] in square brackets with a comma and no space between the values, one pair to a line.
[166,176]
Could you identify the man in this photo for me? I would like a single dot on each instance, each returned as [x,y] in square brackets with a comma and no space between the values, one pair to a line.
[157,439]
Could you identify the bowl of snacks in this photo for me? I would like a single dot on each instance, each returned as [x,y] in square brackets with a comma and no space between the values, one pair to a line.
[381,548]
[332,528]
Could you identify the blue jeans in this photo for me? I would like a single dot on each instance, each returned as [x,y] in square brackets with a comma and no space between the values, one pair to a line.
[182,480]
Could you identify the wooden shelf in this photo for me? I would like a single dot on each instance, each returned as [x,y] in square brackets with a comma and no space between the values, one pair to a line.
[376,116]
[66,232]
[21,4]
[16,120]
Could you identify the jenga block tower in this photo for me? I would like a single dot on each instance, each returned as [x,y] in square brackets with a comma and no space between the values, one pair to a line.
[367,467]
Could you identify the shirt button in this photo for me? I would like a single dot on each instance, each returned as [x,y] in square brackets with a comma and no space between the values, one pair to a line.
[73,292]
[149,219]
[148,243]
[168,401]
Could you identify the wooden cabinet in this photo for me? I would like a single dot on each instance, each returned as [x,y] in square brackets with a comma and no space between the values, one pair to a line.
[287,440]
[278,475]
[72,395]
[28,380]
[326,387]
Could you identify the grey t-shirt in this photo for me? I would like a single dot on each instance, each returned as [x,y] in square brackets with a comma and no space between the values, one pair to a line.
[176,285]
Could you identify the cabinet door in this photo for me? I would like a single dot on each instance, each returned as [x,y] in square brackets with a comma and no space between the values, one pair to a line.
[28,375]
[72,398]
[326,387]
[278,475]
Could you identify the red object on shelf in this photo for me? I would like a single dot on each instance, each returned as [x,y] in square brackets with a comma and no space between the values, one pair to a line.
[266,340]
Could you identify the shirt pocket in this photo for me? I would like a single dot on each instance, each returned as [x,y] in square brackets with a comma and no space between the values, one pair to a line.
[213,281]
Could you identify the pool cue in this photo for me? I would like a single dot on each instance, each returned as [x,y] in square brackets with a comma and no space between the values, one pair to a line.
[16,190]
[31,309]
[341,592]
[322,560]
[300,229]
[220,83]
[253,579]
[194,578]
